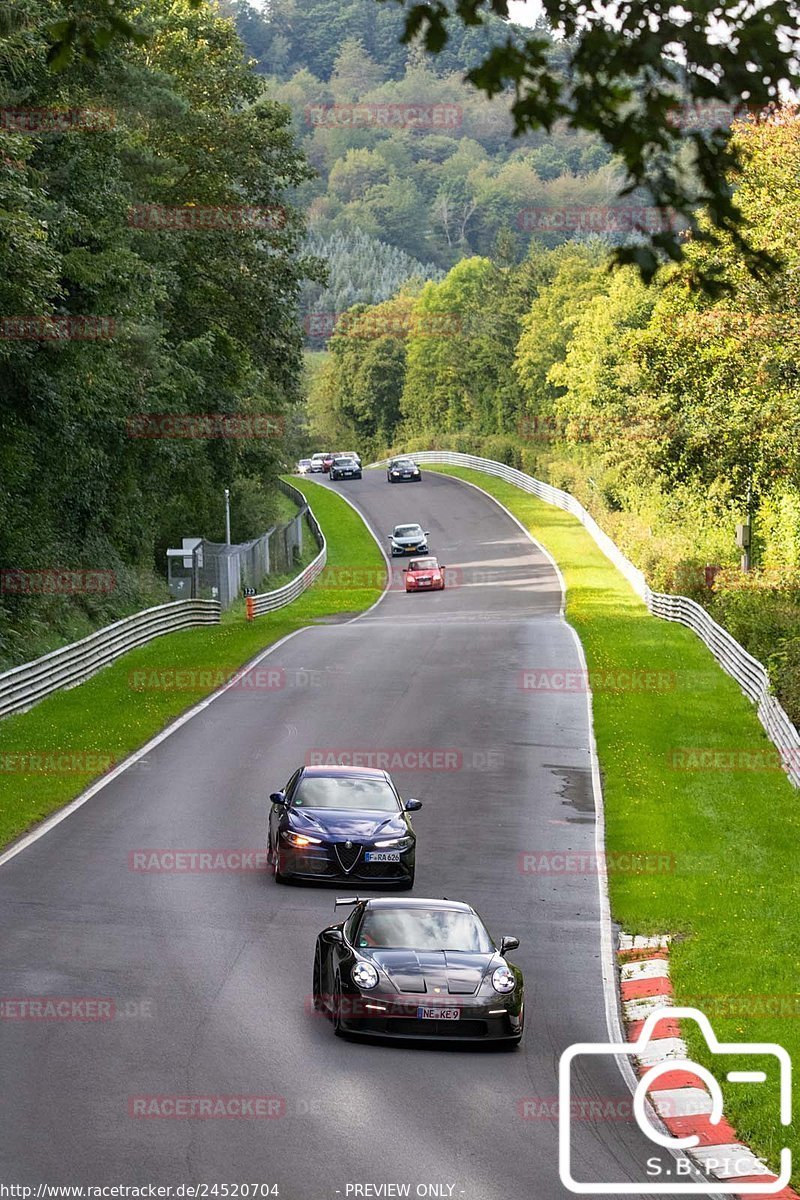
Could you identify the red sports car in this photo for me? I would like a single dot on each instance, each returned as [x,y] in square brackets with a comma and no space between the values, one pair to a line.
[424,575]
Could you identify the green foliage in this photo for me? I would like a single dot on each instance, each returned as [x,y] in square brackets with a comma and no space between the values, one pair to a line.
[660,410]
[442,184]
[749,819]
[108,716]
[360,270]
[622,76]
[203,318]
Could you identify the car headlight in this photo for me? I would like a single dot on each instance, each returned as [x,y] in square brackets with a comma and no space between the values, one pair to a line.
[365,976]
[399,843]
[395,472]
[300,839]
[504,980]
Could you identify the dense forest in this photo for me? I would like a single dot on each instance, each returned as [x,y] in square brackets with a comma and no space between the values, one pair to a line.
[114,306]
[403,150]
[666,412]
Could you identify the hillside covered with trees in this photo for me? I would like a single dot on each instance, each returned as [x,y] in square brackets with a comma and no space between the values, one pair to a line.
[149,263]
[405,152]
[662,409]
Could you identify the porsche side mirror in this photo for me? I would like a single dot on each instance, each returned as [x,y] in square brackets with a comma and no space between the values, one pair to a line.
[413,805]
[404,570]
[278,797]
[333,937]
[508,943]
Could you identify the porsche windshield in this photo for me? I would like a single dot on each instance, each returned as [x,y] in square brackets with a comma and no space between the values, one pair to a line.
[344,791]
[423,929]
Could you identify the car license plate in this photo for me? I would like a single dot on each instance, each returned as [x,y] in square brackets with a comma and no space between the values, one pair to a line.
[382,856]
[438,1014]
[424,582]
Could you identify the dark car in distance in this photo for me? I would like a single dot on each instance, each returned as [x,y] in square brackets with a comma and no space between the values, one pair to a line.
[403,470]
[333,823]
[412,968]
[345,468]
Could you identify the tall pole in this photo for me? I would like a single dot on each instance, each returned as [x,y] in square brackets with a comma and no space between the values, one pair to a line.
[227,517]
[747,556]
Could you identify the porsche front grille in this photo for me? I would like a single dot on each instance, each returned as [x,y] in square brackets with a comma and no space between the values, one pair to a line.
[348,857]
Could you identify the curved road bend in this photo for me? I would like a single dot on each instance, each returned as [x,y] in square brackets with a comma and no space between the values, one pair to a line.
[210,972]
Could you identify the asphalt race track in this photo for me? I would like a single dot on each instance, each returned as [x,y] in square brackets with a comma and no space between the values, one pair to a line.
[210,972]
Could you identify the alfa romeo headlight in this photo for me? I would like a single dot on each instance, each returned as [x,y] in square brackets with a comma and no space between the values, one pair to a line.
[504,980]
[300,839]
[365,976]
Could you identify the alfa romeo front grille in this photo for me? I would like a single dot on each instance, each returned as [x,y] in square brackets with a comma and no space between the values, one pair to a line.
[348,857]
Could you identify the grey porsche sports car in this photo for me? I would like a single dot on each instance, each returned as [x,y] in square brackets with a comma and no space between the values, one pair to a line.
[408,968]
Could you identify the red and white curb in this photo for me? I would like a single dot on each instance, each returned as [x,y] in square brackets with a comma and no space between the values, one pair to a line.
[680,1098]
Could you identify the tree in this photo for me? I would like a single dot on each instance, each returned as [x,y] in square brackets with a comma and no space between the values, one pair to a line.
[629,75]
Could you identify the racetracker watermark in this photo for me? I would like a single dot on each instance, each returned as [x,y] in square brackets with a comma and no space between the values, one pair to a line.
[322,325]
[703,116]
[595,218]
[557,862]
[715,323]
[57,1008]
[559,679]
[596,1108]
[718,1006]
[57,329]
[267,426]
[56,120]
[189,217]
[747,758]
[348,578]
[385,116]
[52,581]
[245,679]
[55,762]
[409,759]
[213,861]
[205,1108]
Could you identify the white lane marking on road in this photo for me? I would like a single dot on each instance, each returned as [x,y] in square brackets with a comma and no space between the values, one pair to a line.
[56,818]
[607,959]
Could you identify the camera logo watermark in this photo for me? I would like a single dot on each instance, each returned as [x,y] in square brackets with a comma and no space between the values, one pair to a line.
[708,1159]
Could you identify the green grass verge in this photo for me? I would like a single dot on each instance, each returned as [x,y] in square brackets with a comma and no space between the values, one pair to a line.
[109,716]
[731,893]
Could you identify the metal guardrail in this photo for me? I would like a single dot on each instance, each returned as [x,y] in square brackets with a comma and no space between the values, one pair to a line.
[749,673]
[267,602]
[24,686]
